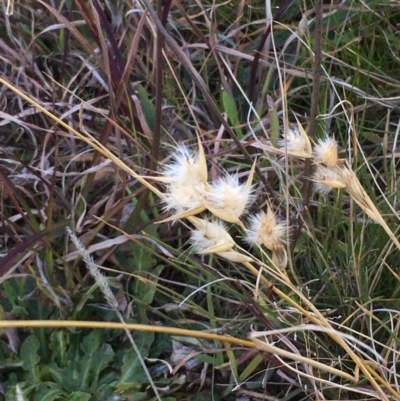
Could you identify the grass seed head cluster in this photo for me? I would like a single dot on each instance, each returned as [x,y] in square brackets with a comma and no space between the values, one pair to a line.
[188,193]
[332,173]
[187,184]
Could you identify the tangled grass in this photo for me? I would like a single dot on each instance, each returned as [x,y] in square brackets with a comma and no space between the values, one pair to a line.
[227,176]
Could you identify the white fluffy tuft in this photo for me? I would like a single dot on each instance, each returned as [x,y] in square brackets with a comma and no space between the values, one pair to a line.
[326,151]
[265,230]
[186,184]
[296,142]
[327,178]
[228,199]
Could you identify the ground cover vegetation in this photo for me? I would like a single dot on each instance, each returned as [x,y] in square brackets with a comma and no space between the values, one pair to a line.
[199,200]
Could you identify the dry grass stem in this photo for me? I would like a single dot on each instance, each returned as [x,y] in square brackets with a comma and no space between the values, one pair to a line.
[99,278]
[361,197]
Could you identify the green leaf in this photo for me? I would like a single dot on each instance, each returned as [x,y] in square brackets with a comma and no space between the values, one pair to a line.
[58,344]
[143,258]
[6,362]
[274,122]
[145,292]
[49,392]
[162,344]
[100,361]
[206,358]
[12,379]
[29,355]
[85,297]
[74,376]
[104,392]
[10,291]
[251,367]
[147,107]
[86,363]
[144,262]
[78,396]
[130,388]
[10,364]
[231,111]
[132,370]
[57,373]
[95,360]
[92,342]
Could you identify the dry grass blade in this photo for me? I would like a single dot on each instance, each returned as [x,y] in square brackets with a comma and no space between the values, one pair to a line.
[203,88]
[125,326]
[88,140]
[361,197]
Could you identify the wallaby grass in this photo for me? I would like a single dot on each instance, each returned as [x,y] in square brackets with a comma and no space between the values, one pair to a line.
[95,98]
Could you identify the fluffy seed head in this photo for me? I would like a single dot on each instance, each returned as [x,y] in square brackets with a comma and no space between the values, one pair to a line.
[185,168]
[179,198]
[186,183]
[227,199]
[265,230]
[327,178]
[297,143]
[212,237]
[210,234]
[326,151]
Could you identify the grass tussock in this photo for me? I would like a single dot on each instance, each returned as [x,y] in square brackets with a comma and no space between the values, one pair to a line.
[199,200]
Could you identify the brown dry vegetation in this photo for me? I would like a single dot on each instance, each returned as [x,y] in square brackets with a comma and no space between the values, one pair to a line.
[95,97]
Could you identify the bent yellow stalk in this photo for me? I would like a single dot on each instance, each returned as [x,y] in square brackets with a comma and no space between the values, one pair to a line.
[174,331]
